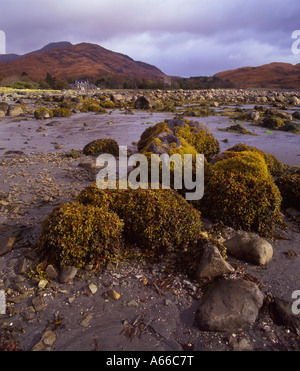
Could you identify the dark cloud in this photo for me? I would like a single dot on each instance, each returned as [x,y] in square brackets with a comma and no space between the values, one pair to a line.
[182,37]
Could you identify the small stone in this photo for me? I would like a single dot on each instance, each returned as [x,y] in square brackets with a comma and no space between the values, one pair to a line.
[67,274]
[112,294]
[93,288]
[132,304]
[39,304]
[6,244]
[51,272]
[21,266]
[86,322]
[42,284]
[49,337]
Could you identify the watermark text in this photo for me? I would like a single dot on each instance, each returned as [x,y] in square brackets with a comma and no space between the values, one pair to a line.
[159,171]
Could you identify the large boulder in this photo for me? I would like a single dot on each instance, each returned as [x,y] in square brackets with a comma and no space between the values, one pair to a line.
[229,305]
[250,248]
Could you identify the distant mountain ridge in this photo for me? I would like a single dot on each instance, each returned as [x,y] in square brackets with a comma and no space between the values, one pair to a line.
[271,76]
[64,60]
[15,57]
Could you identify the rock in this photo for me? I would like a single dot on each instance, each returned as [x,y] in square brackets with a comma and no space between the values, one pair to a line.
[112,294]
[21,267]
[93,288]
[296,115]
[4,107]
[59,146]
[2,113]
[253,115]
[295,101]
[239,345]
[53,123]
[42,284]
[51,272]
[15,111]
[212,264]
[282,314]
[142,103]
[250,248]
[43,113]
[6,244]
[39,304]
[132,304]
[293,212]
[229,305]
[67,274]
[86,322]
[48,339]
[88,165]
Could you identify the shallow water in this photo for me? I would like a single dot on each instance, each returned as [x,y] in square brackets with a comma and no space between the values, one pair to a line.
[127,129]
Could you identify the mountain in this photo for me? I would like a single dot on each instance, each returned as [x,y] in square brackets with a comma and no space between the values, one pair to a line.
[64,60]
[15,57]
[270,76]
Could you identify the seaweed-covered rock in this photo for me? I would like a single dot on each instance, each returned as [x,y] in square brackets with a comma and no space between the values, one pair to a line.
[62,112]
[76,235]
[43,113]
[238,128]
[94,148]
[240,192]
[193,138]
[275,167]
[272,122]
[159,221]
[289,186]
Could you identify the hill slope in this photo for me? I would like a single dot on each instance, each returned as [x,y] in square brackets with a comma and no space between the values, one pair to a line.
[75,61]
[272,76]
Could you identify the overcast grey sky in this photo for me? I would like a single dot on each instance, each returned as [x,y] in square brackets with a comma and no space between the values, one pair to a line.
[181,37]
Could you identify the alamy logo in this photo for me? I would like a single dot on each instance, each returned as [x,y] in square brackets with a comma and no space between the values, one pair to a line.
[163,171]
[296,304]
[2,302]
[296,44]
[2,42]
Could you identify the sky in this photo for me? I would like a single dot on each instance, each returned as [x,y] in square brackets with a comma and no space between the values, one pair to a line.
[181,37]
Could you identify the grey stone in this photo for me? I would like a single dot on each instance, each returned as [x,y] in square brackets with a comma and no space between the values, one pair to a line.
[142,103]
[250,248]
[67,274]
[51,272]
[15,111]
[229,305]
[212,264]
[6,243]
[39,303]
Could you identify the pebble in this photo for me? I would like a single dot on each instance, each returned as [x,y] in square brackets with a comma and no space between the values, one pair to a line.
[93,288]
[112,294]
[67,274]
[42,284]
[86,322]
[132,304]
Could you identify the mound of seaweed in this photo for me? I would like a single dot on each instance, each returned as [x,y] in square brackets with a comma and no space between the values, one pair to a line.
[160,221]
[240,191]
